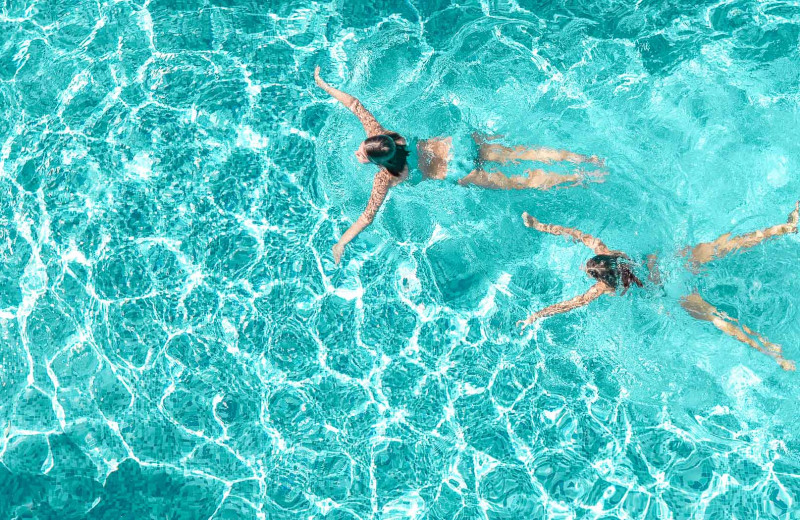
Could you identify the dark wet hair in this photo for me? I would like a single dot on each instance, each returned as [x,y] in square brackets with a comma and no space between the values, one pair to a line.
[383,150]
[612,270]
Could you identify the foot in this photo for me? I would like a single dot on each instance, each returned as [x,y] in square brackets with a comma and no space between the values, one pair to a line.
[787,365]
[598,176]
[794,216]
[529,220]
[597,161]
[772,347]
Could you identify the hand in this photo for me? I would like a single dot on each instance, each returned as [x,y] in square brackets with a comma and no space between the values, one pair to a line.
[529,220]
[319,80]
[597,161]
[794,216]
[525,323]
[338,249]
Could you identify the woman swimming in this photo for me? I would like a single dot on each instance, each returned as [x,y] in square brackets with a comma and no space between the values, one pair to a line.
[611,270]
[389,151]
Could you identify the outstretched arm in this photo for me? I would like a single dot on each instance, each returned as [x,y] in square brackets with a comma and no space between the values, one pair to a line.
[592,294]
[588,240]
[368,121]
[380,187]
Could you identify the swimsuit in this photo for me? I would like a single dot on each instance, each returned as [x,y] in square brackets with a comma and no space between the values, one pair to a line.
[439,161]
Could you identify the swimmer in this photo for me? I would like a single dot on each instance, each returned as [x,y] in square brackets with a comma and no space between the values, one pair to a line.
[386,149]
[611,270]
[390,151]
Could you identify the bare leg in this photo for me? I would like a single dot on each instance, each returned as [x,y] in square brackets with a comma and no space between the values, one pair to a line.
[726,244]
[702,310]
[503,154]
[535,179]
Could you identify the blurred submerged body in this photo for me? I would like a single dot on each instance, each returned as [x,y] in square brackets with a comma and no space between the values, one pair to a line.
[436,162]
[389,151]
[611,270]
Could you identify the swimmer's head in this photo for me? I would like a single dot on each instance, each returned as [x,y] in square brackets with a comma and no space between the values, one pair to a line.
[378,149]
[610,270]
[601,270]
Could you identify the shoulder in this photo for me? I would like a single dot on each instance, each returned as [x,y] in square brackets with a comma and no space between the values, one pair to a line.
[374,129]
[602,288]
[398,139]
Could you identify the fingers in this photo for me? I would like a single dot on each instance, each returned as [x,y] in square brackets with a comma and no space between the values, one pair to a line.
[318,79]
[529,220]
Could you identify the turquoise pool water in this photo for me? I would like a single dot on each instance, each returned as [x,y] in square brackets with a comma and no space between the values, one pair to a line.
[177,343]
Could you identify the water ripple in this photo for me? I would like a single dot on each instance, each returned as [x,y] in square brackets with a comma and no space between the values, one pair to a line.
[176,341]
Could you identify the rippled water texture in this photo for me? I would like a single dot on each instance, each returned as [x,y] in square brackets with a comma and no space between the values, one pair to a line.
[177,343]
